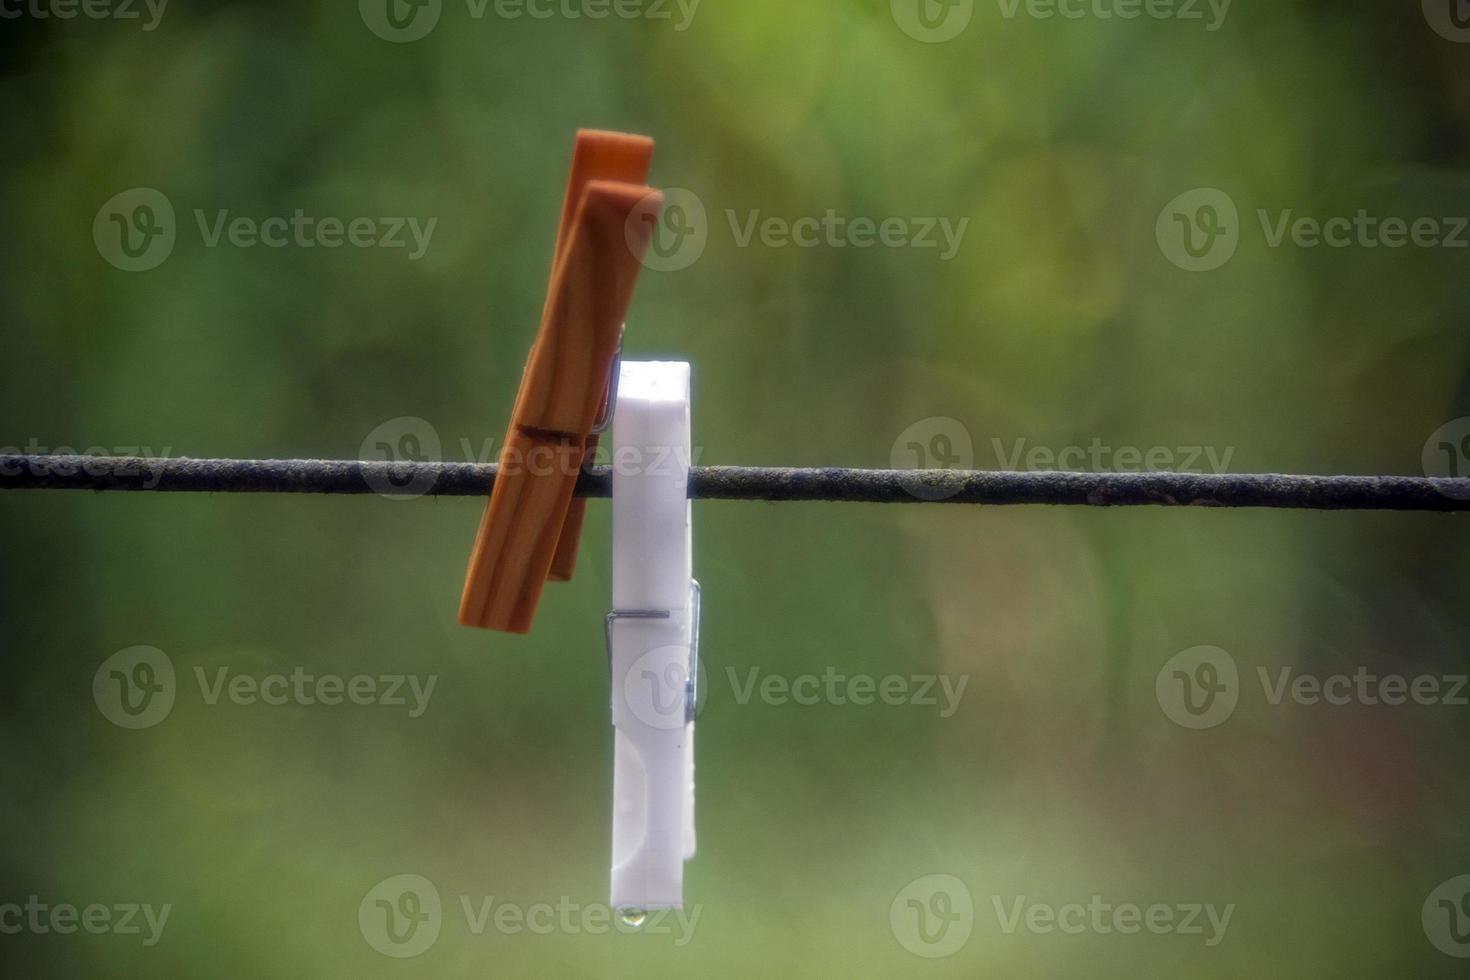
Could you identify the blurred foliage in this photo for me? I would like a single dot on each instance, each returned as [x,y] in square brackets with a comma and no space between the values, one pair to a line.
[1058,321]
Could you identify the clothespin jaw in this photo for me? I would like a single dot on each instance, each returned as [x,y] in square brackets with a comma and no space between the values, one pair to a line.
[562,392]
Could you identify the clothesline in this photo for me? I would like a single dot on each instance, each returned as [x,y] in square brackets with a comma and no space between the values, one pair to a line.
[415,479]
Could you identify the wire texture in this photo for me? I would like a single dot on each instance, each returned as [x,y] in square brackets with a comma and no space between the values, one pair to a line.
[418,479]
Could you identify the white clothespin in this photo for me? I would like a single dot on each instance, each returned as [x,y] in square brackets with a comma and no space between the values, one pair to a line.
[653,637]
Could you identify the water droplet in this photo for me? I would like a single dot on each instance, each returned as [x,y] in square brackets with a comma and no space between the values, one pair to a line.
[633,917]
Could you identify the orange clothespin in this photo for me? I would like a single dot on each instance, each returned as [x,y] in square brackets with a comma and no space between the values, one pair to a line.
[598,156]
[529,530]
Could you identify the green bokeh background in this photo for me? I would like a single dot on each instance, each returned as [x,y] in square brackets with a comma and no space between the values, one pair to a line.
[1059,321]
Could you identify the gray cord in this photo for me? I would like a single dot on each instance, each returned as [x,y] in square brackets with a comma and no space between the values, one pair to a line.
[321,476]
